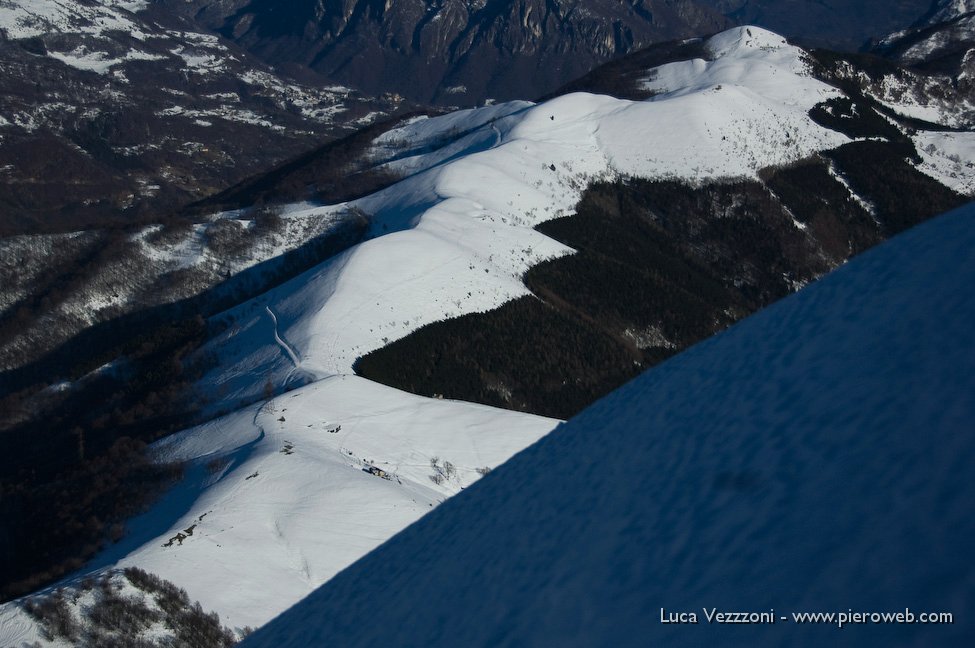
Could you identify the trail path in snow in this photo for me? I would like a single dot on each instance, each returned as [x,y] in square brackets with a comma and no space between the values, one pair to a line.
[295,359]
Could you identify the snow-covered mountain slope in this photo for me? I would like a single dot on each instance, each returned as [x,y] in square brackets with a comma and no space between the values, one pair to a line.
[949,158]
[127,607]
[279,497]
[949,38]
[943,98]
[941,43]
[814,458]
[950,9]
[142,111]
[153,266]
[457,234]
[108,35]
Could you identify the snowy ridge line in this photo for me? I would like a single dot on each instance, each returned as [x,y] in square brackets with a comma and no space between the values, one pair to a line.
[812,457]
[456,235]
[310,480]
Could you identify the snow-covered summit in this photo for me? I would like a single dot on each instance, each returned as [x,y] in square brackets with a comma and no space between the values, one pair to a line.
[748,58]
[814,458]
[324,473]
[735,42]
[457,233]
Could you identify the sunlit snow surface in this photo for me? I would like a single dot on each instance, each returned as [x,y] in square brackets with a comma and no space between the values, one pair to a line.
[278,498]
[457,235]
[816,457]
[948,157]
[38,17]
[293,507]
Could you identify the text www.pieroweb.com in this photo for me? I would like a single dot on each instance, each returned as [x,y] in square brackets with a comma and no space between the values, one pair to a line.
[839,619]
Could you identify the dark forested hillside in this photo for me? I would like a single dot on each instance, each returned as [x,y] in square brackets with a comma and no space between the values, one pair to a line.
[115,337]
[661,265]
[74,423]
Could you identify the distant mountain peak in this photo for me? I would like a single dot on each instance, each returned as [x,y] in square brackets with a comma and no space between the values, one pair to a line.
[942,41]
[947,10]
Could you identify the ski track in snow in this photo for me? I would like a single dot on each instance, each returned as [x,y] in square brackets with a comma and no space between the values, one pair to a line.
[295,360]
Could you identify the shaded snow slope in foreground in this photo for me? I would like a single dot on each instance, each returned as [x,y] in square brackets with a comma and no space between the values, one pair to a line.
[816,457]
